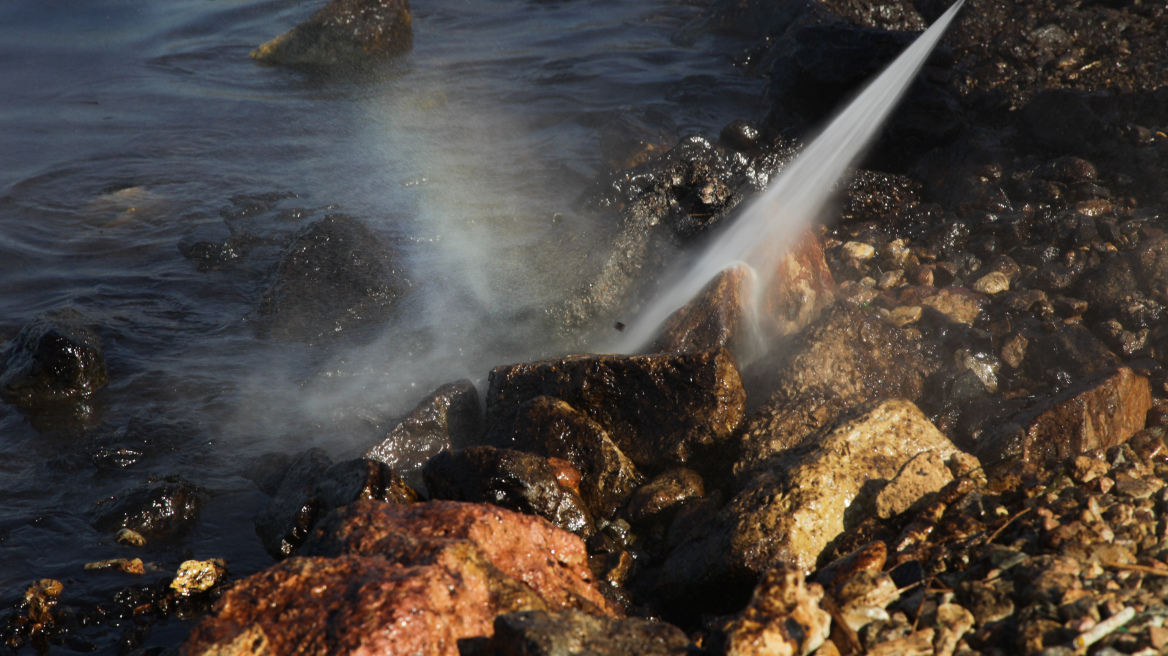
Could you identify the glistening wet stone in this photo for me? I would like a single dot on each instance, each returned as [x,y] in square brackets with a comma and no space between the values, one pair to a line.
[343,34]
[55,357]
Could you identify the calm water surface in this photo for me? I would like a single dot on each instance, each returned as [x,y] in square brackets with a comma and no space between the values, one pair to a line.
[127,126]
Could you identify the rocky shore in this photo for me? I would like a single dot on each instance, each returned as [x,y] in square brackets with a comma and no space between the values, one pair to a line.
[954,442]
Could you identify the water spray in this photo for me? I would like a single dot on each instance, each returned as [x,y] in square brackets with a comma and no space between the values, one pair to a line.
[761,235]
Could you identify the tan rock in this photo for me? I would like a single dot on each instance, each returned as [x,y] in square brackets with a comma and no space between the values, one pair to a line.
[905,315]
[196,576]
[858,250]
[1098,413]
[796,507]
[957,303]
[917,643]
[953,622]
[764,627]
[890,279]
[915,485]
[991,283]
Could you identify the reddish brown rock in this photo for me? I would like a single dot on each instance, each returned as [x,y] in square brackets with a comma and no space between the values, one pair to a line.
[552,428]
[1100,412]
[361,604]
[658,409]
[550,561]
[795,294]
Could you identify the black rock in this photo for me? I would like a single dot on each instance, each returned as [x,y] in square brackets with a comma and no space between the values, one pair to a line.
[336,277]
[519,481]
[54,357]
[312,487]
[157,510]
[572,633]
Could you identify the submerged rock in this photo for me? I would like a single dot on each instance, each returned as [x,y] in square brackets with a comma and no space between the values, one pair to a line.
[450,417]
[54,357]
[336,277]
[344,33]
[660,410]
[553,428]
[803,501]
[572,633]
[157,510]
[313,486]
[519,481]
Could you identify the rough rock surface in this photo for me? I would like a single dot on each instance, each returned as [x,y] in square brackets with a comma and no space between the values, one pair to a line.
[336,277]
[450,417]
[846,357]
[783,617]
[520,481]
[313,486]
[552,428]
[550,561]
[914,486]
[54,357]
[664,493]
[572,633]
[1096,413]
[659,409]
[344,33]
[804,501]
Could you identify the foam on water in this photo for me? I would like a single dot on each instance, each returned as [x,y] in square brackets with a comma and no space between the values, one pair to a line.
[798,197]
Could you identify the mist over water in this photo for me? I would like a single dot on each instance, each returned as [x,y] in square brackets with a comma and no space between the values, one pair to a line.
[798,197]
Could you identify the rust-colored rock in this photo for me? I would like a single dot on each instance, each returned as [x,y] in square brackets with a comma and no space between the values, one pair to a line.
[361,604]
[1100,412]
[343,33]
[846,357]
[659,409]
[550,561]
[552,428]
[794,295]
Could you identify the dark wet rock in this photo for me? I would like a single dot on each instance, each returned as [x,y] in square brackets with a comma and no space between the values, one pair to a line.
[553,428]
[157,510]
[660,410]
[450,417]
[664,494]
[144,437]
[803,501]
[713,319]
[571,633]
[54,357]
[511,479]
[783,617]
[313,486]
[1098,412]
[551,562]
[846,357]
[344,33]
[1073,350]
[336,277]
[1063,119]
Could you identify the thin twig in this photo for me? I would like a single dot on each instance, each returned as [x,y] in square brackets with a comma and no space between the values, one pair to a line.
[1001,528]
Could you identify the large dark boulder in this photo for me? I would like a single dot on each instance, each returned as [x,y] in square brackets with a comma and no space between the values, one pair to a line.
[54,357]
[660,410]
[336,277]
[344,33]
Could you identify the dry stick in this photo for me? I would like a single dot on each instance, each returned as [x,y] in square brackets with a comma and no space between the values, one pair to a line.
[1008,522]
[1143,569]
[852,645]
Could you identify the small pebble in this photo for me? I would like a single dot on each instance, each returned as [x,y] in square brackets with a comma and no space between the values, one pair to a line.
[198,575]
[905,315]
[127,565]
[859,250]
[130,537]
[992,283]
